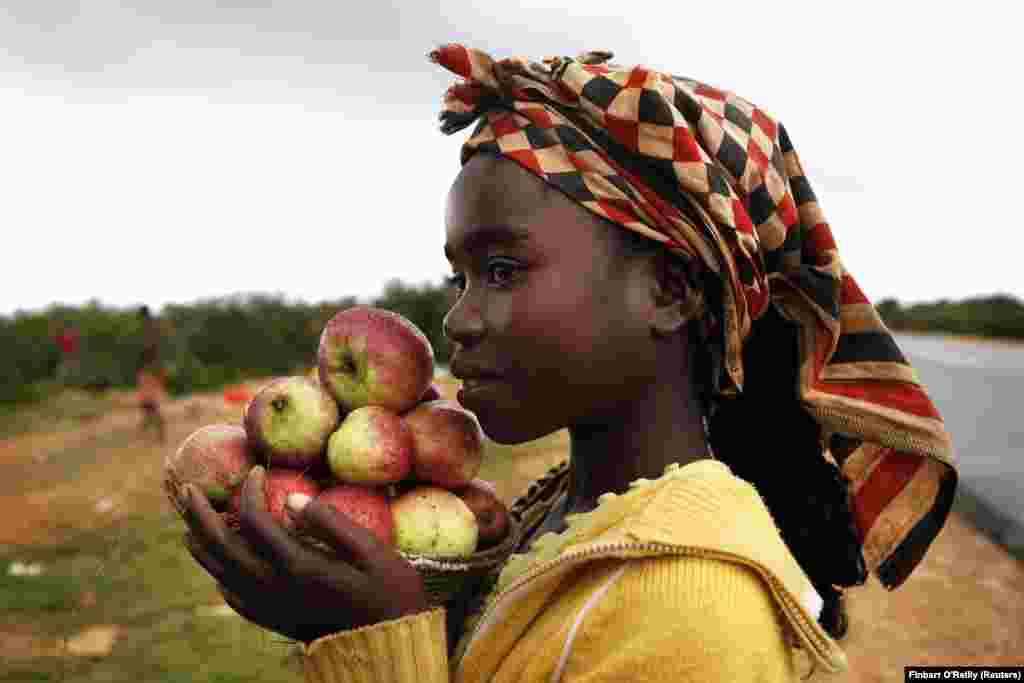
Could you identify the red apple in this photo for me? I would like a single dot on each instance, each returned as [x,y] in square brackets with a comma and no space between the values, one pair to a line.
[486,484]
[289,421]
[448,443]
[434,521]
[372,446]
[367,506]
[215,458]
[370,356]
[491,514]
[278,485]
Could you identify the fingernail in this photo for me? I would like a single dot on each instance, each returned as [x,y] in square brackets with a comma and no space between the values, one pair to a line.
[296,502]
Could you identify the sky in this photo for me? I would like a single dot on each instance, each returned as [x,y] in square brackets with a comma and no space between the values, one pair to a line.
[155,152]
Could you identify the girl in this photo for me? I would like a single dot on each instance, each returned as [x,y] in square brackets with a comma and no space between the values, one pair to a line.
[638,259]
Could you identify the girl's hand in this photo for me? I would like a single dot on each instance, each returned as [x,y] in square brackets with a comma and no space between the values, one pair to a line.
[273,579]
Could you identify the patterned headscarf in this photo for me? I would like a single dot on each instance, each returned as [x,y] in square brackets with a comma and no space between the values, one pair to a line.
[717,181]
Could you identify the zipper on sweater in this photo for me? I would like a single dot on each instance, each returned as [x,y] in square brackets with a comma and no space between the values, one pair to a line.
[821,646]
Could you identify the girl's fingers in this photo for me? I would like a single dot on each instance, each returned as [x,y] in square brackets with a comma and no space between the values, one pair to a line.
[202,520]
[219,572]
[273,618]
[236,603]
[284,550]
[268,537]
[210,532]
[322,520]
[259,527]
[201,555]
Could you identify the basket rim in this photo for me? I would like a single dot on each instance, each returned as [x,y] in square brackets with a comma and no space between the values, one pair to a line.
[485,559]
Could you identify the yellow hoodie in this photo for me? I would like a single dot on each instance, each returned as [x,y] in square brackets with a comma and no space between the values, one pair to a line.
[682,578]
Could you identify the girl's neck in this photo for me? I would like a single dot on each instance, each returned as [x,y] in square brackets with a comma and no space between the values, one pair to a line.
[666,426]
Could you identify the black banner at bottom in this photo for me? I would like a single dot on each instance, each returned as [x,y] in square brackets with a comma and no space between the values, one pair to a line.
[916,674]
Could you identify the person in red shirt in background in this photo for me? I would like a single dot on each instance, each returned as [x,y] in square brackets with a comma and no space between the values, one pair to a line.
[150,376]
[67,339]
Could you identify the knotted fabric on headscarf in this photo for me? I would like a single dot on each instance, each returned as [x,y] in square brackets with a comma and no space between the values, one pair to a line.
[717,181]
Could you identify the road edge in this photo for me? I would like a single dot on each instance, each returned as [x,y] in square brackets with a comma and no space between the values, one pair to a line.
[1000,528]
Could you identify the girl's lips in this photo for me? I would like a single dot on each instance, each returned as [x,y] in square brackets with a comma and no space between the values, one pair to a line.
[476,386]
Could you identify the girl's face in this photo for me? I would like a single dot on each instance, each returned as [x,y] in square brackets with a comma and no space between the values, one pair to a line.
[549,328]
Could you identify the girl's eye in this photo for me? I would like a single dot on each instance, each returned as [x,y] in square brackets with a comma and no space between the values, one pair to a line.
[500,273]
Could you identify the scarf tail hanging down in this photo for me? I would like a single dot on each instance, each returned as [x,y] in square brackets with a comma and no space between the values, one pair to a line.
[717,180]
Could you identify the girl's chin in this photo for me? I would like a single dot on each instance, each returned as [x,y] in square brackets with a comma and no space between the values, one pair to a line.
[502,419]
[508,428]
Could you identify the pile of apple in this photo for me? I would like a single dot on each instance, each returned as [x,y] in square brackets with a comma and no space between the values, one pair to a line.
[369,434]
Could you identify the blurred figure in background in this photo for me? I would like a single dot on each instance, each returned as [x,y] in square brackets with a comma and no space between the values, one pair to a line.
[67,339]
[150,376]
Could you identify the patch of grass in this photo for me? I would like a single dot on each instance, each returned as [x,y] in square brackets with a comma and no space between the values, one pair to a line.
[226,678]
[214,677]
[43,593]
[58,410]
[18,675]
[177,678]
[143,580]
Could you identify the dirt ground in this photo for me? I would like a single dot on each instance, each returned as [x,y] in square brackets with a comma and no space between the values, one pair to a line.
[964,605]
[46,477]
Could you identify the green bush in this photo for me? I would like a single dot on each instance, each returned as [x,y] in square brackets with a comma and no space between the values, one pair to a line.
[214,342]
[991,316]
[206,344]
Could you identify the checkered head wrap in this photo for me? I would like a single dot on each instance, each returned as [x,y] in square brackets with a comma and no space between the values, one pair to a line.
[715,179]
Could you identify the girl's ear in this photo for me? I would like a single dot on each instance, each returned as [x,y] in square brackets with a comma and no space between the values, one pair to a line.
[676,302]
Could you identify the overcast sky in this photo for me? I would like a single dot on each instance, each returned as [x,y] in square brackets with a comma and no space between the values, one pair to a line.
[158,151]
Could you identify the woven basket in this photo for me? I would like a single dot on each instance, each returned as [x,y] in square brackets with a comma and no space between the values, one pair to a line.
[445,577]
[173,489]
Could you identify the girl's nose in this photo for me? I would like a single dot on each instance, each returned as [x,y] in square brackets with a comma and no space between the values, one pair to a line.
[464,324]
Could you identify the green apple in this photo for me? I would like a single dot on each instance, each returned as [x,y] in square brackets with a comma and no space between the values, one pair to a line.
[290,420]
[430,520]
[372,446]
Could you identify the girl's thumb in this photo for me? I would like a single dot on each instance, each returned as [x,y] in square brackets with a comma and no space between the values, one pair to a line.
[295,503]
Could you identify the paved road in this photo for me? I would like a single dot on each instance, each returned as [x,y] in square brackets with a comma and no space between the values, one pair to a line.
[979,389]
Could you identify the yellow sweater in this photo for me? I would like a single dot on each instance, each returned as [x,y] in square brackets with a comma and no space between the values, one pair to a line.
[683,578]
